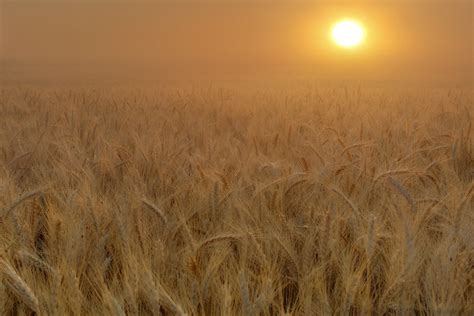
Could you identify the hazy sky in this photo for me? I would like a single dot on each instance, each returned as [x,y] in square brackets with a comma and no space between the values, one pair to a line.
[405,39]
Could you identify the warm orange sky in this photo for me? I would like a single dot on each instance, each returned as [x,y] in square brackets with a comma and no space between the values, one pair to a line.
[405,38]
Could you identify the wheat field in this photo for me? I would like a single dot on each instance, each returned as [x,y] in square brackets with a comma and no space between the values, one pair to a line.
[301,200]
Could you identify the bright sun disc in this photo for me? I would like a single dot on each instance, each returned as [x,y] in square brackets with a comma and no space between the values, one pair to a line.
[348,33]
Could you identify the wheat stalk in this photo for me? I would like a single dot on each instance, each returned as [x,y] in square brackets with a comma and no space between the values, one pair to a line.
[404,192]
[5,212]
[155,209]
[218,239]
[18,287]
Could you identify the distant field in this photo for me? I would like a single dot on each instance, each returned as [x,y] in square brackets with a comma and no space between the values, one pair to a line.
[303,200]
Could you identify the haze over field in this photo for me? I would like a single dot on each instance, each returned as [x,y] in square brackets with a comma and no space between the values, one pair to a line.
[227,39]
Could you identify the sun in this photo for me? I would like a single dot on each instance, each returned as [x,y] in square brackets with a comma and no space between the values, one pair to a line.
[348,33]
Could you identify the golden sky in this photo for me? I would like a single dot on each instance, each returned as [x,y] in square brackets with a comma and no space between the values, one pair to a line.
[405,38]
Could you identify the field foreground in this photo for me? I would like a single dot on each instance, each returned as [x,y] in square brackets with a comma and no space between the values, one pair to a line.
[220,202]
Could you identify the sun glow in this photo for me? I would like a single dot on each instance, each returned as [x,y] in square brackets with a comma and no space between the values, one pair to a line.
[348,33]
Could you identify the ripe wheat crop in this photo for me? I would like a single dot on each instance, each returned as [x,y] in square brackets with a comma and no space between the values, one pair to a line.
[305,200]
